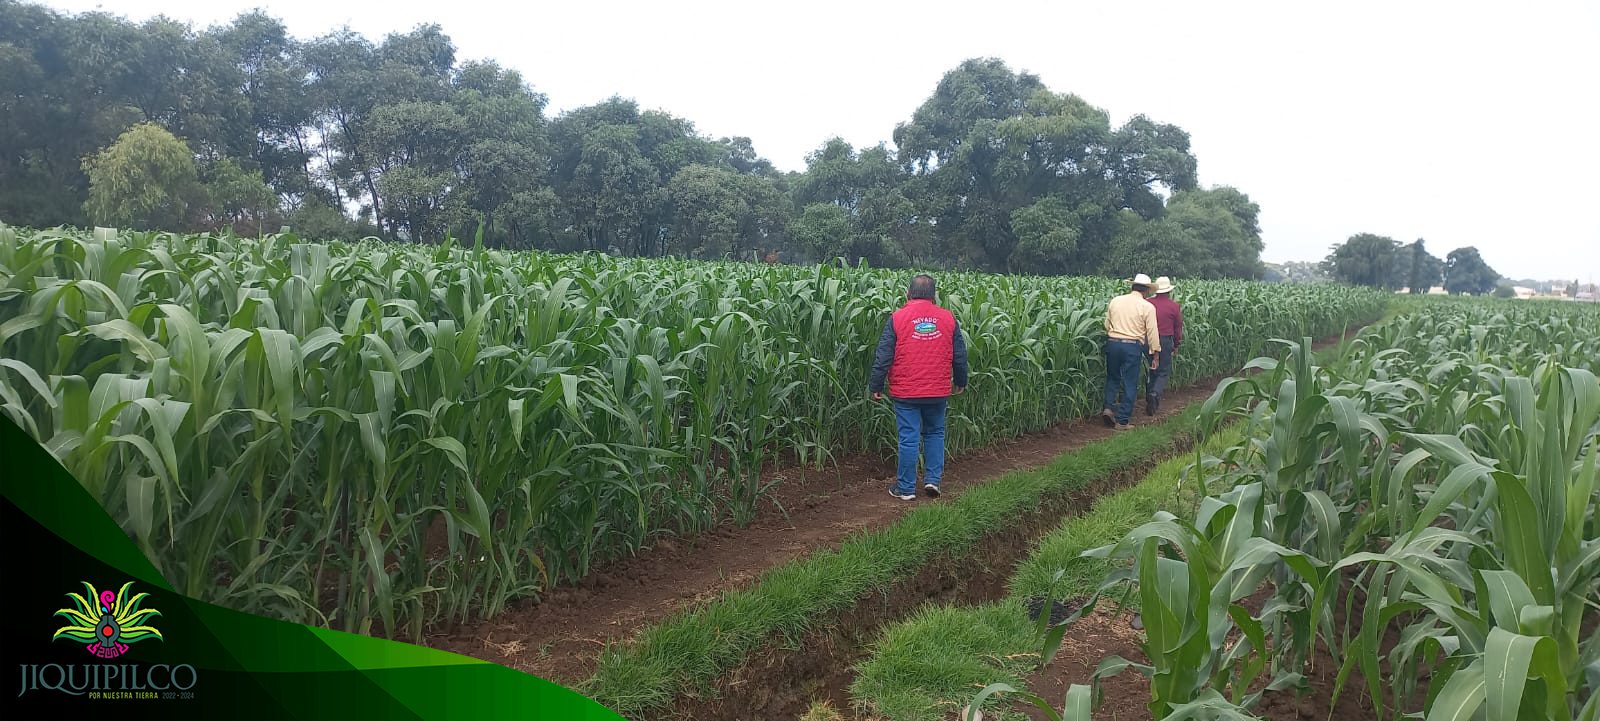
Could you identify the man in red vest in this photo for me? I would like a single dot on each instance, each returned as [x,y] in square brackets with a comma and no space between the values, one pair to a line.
[923,359]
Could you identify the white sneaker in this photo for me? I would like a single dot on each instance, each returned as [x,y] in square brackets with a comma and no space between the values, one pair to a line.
[904,497]
[931,489]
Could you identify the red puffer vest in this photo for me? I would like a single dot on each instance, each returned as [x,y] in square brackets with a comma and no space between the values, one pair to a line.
[924,346]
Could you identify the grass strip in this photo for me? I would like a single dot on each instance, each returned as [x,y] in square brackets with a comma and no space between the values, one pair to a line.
[686,653]
[930,665]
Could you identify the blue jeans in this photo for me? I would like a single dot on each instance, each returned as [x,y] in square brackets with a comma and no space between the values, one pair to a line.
[924,422]
[1123,363]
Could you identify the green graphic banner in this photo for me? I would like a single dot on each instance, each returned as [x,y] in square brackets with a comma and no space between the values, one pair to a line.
[94,632]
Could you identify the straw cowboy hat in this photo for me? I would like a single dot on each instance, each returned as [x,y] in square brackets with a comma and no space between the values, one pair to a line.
[1164,285]
[1140,279]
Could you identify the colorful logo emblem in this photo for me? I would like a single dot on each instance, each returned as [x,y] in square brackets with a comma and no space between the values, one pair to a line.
[109,623]
[925,329]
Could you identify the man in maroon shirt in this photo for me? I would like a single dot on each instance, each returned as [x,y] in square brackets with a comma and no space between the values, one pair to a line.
[1169,325]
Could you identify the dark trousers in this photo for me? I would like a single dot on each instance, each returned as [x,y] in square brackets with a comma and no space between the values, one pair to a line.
[1156,381]
[1123,360]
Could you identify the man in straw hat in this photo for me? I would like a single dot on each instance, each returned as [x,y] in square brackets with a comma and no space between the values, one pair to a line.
[1131,335]
[1169,325]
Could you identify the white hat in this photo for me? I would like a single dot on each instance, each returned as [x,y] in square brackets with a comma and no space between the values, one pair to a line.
[1140,279]
[1164,285]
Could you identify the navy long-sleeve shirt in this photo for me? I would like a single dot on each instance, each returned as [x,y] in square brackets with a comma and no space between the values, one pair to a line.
[884,358]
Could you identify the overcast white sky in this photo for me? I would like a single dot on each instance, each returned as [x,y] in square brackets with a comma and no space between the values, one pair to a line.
[1464,123]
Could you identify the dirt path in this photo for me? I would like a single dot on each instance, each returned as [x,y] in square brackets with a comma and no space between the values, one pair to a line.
[561,637]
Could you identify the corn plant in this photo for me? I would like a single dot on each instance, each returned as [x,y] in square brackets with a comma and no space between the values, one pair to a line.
[1504,602]
[1191,578]
[1438,479]
[379,437]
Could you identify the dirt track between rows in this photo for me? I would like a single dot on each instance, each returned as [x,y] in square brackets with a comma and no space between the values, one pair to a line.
[560,637]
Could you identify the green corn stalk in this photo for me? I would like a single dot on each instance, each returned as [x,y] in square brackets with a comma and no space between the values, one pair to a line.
[1440,475]
[380,437]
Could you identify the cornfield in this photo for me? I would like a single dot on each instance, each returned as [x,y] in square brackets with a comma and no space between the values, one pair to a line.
[376,437]
[1426,510]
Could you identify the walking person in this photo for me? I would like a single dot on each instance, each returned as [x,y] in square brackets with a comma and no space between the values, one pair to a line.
[1131,336]
[921,360]
[1169,326]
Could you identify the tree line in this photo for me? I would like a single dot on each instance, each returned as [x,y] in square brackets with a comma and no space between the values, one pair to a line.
[157,125]
[1382,262]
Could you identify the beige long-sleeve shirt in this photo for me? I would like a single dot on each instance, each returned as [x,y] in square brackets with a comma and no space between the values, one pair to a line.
[1131,317]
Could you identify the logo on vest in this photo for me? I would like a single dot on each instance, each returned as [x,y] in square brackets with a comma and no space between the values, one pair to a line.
[925,329]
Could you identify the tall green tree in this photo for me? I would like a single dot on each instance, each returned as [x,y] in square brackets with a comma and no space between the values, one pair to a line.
[990,142]
[1203,233]
[344,89]
[1047,235]
[607,185]
[185,82]
[504,162]
[397,137]
[414,148]
[1145,155]
[1364,259]
[1143,246]
[1466,272]
[742,156]
[1222,231]
[613,168]
[883,223]
[272,135]
[145,180]
[719,212]
[237,198]
[1423,271]
[822,230]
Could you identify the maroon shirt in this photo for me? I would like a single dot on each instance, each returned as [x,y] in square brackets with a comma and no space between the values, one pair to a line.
[1169,318]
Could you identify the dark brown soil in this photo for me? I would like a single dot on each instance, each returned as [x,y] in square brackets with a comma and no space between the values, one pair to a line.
[1353,704]
[560,637]
[1107,632]
[1102,633]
